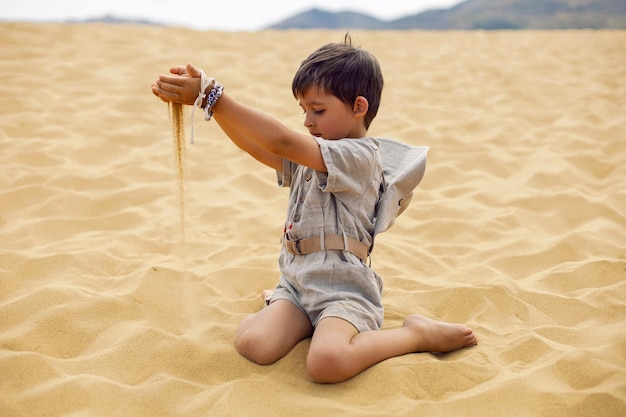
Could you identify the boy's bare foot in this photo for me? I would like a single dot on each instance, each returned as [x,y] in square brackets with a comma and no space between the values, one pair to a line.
[439,336]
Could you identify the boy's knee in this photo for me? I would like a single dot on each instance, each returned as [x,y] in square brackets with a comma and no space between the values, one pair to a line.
[255,347]
[327,365]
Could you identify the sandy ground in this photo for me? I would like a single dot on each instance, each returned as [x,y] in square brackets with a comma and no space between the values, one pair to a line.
[111,306]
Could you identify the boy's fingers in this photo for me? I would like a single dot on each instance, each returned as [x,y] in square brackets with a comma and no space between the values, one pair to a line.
[167,92]
[170,89]
[191,70]
[167,96]
[178,69]
[160,93]
[170,79]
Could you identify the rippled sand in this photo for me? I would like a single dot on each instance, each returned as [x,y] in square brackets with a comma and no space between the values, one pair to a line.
[518,229]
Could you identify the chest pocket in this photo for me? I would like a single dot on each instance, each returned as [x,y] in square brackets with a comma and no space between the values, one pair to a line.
[312,196]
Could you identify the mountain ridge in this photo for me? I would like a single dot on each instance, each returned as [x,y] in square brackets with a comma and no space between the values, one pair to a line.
[477,15]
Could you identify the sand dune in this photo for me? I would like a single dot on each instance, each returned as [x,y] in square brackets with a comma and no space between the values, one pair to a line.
[518,229]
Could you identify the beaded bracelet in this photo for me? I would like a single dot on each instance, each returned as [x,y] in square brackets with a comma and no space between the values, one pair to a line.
[216,92]
[213,96]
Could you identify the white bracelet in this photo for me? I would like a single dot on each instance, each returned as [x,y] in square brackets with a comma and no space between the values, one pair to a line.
[204,84]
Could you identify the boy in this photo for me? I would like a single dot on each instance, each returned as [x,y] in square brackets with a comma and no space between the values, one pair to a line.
[345,188]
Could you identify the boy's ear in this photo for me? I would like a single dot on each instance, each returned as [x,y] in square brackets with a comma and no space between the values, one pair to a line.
[360,107]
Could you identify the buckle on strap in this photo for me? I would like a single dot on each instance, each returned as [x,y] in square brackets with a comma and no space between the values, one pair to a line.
[292,246]
[331,242]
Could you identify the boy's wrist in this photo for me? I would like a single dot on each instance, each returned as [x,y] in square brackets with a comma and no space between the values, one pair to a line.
[209,92]
[211,95]
[203,95]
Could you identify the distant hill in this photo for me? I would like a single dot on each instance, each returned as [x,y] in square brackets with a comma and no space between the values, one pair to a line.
[321,19]
[114,20]
[478,14]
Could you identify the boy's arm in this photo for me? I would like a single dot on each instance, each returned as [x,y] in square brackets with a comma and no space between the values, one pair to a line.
[258,153]
[262,136]
[268,134]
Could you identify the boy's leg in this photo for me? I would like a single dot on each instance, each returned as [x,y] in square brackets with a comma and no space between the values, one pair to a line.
[338,351]
[270,334]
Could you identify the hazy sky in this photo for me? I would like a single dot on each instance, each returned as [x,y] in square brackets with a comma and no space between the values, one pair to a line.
[207,14]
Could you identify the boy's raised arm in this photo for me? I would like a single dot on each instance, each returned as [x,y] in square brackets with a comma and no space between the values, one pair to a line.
[262,136]
[268,133]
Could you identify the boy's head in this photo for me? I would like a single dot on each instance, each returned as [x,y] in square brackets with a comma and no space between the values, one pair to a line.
[344,71]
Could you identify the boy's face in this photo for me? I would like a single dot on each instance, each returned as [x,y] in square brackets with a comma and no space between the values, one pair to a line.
[328,117]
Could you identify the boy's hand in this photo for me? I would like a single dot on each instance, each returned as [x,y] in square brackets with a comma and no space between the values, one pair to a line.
[180,87]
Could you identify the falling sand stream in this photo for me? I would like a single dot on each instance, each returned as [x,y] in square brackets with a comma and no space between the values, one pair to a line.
[178,129]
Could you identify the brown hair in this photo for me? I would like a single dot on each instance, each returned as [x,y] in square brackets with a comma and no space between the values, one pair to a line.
[344,71]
